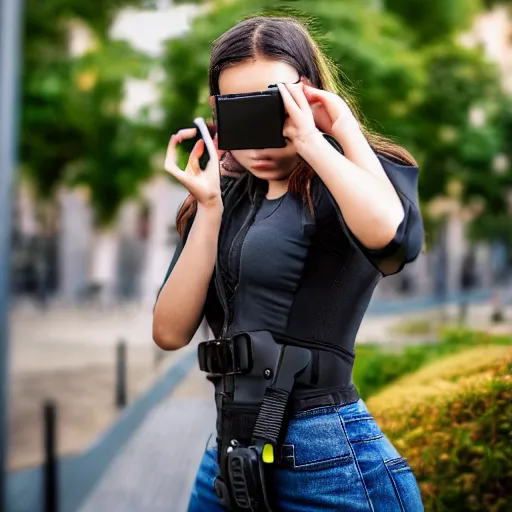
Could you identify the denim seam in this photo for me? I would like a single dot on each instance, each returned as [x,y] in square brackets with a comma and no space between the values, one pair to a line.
[359,418]
[317,411]
[395,461]
[315,463]
[361,478]
[367,440]
[393,482]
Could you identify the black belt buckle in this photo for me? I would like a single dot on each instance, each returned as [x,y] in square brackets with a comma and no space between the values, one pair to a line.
[226,356]
[247,478]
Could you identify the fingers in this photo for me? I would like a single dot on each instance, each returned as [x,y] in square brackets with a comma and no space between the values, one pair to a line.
[193,162]
[176,172]
[332,103]
[289,103]
[186,133]
[297,92]
[171,156]
[318,96]
[177,138]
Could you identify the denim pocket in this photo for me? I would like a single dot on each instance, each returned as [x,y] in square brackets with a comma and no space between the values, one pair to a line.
[317,441]
[405,485]
[316,463]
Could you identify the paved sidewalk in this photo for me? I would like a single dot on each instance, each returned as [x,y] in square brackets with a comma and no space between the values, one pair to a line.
[68,355]
[156,470]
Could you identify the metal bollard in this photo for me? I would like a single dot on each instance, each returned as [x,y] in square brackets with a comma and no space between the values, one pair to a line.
[120,391]
[50,474]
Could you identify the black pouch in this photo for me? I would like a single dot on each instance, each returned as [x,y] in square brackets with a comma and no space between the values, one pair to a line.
[247,478]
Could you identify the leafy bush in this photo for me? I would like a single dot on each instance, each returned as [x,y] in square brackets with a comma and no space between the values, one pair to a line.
[452,420]
[377,366]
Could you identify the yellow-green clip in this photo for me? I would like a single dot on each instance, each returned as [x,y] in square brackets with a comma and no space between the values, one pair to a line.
[267,454]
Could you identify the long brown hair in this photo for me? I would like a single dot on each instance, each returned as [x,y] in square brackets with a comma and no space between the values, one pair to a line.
[286,39]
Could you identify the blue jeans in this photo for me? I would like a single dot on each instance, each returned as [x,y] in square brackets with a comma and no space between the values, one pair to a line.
[340,460]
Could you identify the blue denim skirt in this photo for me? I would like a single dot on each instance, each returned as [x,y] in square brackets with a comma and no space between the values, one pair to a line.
[338,460]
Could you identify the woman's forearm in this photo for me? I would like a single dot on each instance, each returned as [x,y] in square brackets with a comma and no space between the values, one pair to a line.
[366,197]
[179,309]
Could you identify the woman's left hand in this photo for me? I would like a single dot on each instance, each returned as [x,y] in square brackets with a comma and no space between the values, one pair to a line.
[332,113]
[312,110]
[299,126]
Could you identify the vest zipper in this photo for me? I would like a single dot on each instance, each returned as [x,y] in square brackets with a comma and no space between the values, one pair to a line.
[238,238]
[221,290]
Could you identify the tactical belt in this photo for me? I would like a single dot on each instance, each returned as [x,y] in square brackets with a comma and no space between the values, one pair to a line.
[265,372]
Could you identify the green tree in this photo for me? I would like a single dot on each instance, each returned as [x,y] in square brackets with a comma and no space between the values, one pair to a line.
[72,129]
[117,151]
[52,126]
[435,20]
[419,90]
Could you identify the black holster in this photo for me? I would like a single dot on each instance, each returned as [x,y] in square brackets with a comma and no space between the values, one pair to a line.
[265,373]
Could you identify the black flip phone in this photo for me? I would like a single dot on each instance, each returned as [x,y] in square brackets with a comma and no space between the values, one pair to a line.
[202,129]
[252,120]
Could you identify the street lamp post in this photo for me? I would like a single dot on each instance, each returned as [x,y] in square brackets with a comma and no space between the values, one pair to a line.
[10,36]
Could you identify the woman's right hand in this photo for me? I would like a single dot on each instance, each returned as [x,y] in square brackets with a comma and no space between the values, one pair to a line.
[204,185]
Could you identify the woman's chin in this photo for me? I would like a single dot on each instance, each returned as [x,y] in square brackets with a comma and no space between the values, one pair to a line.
[269,174]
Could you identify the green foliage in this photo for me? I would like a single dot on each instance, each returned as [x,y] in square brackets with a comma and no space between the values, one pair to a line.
[453,424]
[117,150]
[377,366]
[72,129]
[450,146]
[435,20]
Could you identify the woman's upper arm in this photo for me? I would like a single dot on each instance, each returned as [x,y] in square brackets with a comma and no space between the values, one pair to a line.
[408,240]
[177,252]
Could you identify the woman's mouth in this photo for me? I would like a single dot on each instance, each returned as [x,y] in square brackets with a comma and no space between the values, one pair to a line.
[262,164]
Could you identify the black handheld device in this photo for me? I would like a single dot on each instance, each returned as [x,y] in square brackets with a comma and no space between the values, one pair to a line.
[251,120]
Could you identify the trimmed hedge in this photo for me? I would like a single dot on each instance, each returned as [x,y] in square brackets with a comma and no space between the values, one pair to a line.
[377,366]
[452,420]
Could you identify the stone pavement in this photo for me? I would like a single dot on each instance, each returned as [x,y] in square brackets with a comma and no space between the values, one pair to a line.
[155,472]
[68,355]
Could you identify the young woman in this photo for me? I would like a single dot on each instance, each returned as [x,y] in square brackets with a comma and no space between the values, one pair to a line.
[287,245]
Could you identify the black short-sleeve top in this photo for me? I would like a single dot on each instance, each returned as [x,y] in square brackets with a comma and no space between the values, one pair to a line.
[300,272]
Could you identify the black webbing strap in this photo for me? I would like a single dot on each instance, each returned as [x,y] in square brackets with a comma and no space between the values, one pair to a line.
[292,362]
[271,416]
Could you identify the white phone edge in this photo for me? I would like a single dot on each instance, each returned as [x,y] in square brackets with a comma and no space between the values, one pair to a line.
[201,124]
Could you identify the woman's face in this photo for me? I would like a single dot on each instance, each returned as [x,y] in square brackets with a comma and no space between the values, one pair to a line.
[257,75]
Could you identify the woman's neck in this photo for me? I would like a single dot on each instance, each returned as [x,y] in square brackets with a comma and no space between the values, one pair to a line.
[277,188]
